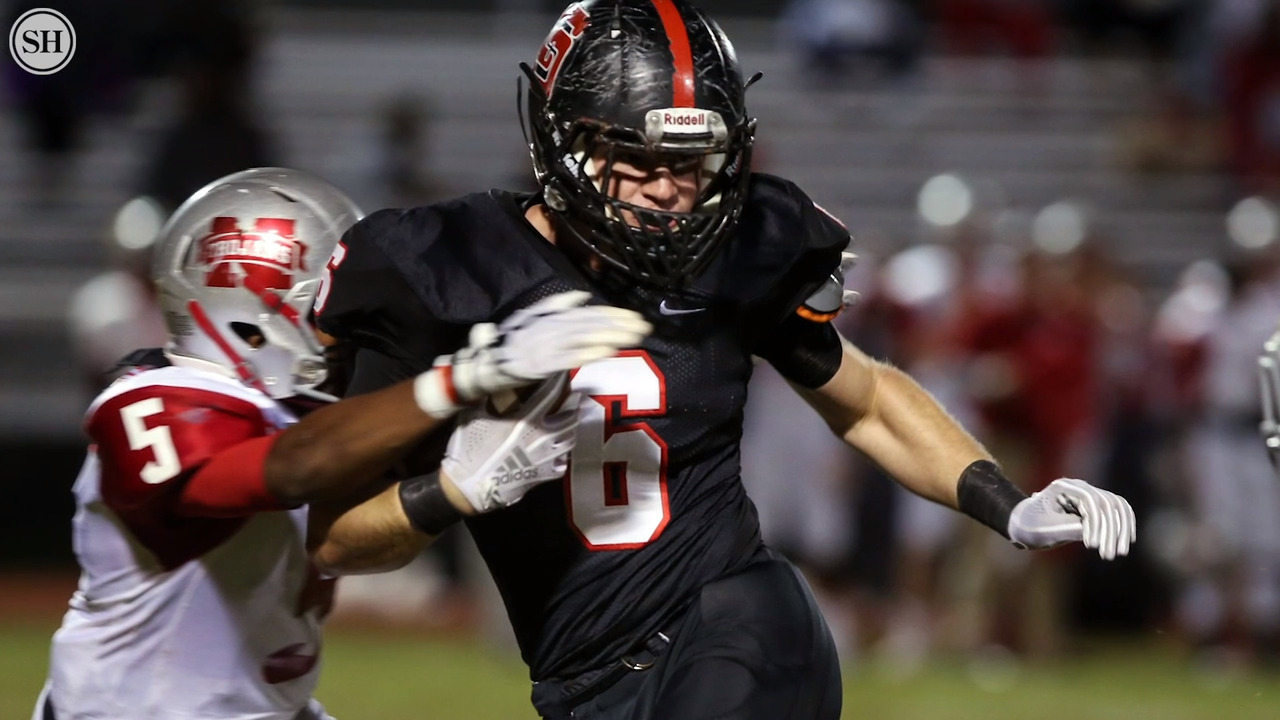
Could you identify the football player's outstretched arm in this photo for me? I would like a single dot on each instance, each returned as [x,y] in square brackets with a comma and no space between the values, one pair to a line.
[368,537]
[880,410]
[883,412]
[342,446]
[491,462]
[357,439]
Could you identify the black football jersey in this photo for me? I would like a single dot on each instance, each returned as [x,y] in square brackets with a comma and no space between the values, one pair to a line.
[653,506]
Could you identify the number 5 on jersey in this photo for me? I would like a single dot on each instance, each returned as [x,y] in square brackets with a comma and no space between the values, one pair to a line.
[158,439]
[617,489]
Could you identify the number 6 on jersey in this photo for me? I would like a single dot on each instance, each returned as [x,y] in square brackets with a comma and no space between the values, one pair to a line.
[617,489]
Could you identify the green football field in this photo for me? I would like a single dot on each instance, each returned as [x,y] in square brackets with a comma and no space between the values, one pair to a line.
[385,675]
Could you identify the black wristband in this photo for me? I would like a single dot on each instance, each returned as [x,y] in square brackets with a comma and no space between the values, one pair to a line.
[986,495]
[426,505]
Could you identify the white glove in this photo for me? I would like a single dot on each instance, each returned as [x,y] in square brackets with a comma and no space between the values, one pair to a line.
[555,334]
[494,460]
[1070,510]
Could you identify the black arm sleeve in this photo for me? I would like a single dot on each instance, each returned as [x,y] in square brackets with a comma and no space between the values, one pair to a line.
[426,505]
[986,495]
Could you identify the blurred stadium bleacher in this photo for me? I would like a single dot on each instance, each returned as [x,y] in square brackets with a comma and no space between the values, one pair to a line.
[863,153]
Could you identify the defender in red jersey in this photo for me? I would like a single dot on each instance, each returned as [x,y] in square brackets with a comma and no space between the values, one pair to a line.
[198,598]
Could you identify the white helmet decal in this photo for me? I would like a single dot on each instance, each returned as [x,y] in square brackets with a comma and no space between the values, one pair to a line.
[270,252]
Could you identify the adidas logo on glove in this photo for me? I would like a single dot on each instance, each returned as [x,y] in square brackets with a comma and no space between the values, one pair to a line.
[517,467]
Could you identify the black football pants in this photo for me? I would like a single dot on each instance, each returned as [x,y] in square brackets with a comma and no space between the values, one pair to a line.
[753,647]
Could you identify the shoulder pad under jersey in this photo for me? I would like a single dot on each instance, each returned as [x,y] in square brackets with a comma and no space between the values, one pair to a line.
[786,250]
[459,261]
[831,297]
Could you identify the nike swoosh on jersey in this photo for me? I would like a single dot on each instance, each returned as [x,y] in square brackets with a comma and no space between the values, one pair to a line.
[662,308]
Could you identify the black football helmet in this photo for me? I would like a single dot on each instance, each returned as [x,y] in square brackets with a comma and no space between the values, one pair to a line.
[620,77]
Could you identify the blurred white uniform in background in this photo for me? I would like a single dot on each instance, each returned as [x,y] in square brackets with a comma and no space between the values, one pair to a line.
[797,473]
[1236,497]
[116,311]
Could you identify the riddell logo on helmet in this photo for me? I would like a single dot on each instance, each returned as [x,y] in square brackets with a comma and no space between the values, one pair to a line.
[684,120]
[269,253]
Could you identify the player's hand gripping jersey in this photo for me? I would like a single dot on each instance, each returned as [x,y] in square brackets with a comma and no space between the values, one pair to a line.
[191,603]
[653,507]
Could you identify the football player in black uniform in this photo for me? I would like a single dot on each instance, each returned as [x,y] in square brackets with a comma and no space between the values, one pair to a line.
[639,587]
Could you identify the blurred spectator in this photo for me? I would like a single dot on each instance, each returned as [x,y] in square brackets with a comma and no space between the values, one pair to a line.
[1175,389]
[843,39]
[392,166]
[1124,437]
[213,132]
[866,588]
[925,283]
[54,110]
[1034,379]
[1155,26]
[1021,28]
[209,47]
[116,312]
[1252,81]
[1218,109]
[1230,606]
[808,517]
[1209,31]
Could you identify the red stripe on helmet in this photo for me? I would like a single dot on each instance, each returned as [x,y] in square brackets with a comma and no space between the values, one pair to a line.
[272,300]
[678,38]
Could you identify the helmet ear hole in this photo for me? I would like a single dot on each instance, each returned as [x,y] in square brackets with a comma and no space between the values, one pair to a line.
[250,333]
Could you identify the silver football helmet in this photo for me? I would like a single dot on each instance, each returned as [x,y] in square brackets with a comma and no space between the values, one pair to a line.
[237,267]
